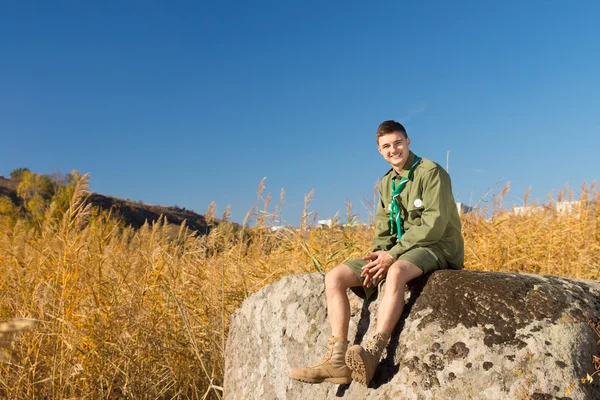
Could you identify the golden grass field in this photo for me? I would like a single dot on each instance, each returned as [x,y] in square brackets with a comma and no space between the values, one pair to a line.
[145,314]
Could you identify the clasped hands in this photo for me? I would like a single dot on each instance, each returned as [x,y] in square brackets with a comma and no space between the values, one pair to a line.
[380,262]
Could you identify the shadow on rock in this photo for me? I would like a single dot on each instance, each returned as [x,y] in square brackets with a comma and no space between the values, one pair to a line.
[341,390]
[362,328]
[365,320]
[387,369]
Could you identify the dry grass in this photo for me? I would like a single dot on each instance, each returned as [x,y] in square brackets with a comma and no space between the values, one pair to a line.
[541,241]
[144,314]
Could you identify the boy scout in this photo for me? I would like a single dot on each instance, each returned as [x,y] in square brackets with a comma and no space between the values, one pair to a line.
[418,231]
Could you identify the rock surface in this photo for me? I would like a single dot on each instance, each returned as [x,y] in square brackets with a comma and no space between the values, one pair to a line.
[463,335]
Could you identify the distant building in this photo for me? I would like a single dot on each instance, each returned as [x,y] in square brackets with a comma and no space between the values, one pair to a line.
[463,208]
[561,207]
[322,223]
[528,210]
[568,207]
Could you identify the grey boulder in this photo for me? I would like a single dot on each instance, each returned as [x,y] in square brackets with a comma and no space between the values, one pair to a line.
[463,335]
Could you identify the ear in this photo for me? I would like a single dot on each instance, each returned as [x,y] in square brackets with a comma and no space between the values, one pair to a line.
[407,141]
[379,149]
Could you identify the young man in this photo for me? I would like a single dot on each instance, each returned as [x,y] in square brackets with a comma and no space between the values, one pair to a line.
[418,231]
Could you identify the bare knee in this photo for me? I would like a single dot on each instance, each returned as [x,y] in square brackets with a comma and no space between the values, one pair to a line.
[401,272]
[333,281]
[340,278]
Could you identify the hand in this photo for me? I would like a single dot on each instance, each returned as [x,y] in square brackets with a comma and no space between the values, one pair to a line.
[380,262]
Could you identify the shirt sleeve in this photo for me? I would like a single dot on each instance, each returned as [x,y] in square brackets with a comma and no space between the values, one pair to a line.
[437,197]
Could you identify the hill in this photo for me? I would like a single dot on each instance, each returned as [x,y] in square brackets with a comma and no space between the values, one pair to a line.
[134,214]
[9,188]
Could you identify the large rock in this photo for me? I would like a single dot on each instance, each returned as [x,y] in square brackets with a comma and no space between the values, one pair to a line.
[463,335]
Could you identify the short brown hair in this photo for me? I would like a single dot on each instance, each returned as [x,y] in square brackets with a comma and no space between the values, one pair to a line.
[388,127]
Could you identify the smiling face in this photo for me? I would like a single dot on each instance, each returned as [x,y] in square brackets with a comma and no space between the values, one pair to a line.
[394,147]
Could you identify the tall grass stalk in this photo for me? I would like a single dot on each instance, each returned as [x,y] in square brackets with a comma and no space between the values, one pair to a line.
[144,314]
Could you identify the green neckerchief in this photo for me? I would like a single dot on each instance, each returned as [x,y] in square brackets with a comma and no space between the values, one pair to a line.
[395,219]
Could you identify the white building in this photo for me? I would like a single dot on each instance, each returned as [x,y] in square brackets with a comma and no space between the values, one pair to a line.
[561,207]
[322,223]
[463,208]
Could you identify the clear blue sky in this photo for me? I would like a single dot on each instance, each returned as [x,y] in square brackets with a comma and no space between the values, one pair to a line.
[174,102]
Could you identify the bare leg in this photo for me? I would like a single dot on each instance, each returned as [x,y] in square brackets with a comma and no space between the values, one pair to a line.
[338,307]
[332,367]
[392,303]
[363,361]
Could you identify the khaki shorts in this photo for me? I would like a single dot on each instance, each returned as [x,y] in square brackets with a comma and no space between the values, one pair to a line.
[429,259]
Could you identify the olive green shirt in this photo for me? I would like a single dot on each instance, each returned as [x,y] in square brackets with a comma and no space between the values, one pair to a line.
[428,211]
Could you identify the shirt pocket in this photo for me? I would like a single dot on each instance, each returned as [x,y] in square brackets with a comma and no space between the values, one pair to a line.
[414,214]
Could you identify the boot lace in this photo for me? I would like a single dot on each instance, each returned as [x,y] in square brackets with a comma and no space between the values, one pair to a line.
[329,353]
[376,345]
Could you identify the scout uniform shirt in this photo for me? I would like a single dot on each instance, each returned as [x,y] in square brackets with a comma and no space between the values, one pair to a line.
[428,211]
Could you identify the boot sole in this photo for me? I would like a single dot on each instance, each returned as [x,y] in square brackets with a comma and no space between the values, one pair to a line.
[356,364]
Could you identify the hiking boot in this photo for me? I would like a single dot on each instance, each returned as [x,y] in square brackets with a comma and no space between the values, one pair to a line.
[332,368]
[363,362]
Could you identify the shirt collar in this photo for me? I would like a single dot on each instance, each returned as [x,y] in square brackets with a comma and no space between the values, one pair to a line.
[406,168]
